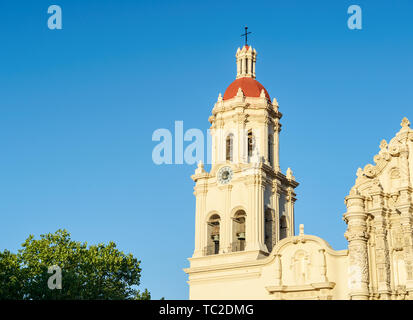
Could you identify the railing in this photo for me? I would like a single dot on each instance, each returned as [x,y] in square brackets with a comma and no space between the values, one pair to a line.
[233,247]
[211,249]
[237,246]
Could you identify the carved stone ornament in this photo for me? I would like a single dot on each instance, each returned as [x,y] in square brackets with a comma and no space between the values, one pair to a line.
[358,266]
[383,145]
[394,150]
[370,171]
[356,235]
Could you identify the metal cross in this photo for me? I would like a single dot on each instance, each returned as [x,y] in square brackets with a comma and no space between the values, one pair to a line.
[246,35]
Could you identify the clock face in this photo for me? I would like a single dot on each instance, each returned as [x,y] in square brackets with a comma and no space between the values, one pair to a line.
[224,175]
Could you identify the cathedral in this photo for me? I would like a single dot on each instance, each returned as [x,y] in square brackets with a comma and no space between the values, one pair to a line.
[245,244]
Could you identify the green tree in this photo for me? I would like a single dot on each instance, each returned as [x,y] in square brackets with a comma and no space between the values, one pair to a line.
[88,272]
[11,277]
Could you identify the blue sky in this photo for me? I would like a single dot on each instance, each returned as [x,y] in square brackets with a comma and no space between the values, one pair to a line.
[78,107]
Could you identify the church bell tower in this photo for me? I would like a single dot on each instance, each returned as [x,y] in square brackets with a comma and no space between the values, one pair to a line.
[245,204]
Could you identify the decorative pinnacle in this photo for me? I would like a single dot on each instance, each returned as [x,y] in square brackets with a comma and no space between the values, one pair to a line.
[405,123]
[200,168]
[383,144]
[289,174]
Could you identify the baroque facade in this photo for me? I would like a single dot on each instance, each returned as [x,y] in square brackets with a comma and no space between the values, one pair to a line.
[245,246]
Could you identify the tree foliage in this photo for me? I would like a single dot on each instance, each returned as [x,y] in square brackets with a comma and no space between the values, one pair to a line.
[88,272]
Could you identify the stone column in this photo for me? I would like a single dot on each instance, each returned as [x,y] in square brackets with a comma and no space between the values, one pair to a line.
[224,245]
[265,141]
[214,143]
[323,265]
[381,248]
[357,236]
[242,137]
[278,270]
[255,216]
[261,215]
[276,206]
[277,130]
[405,207]
[200,225]
[290,211]
[250,65]
[244,66]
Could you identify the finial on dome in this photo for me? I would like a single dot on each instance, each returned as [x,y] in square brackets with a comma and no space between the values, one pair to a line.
[240,93]
[405,123]
[301,229]
[262,94]
[246,36]
[246,58]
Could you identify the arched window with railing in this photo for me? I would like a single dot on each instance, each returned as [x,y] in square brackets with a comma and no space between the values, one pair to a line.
[229,147]
[213,234]
[269,230]
[238,231]
[250,144]
[270,149]
[283,227]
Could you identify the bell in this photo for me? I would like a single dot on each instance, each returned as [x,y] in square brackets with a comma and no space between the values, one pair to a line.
[215,238]
[241,236]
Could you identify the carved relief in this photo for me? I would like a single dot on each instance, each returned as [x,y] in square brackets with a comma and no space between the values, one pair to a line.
[399,269]
[395,173]
[358,267]
[397,239]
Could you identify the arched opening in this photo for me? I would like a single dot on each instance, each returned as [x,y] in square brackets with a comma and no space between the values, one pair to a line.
[213,232]
[238,231]
[283,227]
[269,230]
[229,145]
[250,144]
[270,148]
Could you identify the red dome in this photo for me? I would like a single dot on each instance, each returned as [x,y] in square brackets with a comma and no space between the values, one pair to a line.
[250,87]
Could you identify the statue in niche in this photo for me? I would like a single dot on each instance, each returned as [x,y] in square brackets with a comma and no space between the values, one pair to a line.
[300,265]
